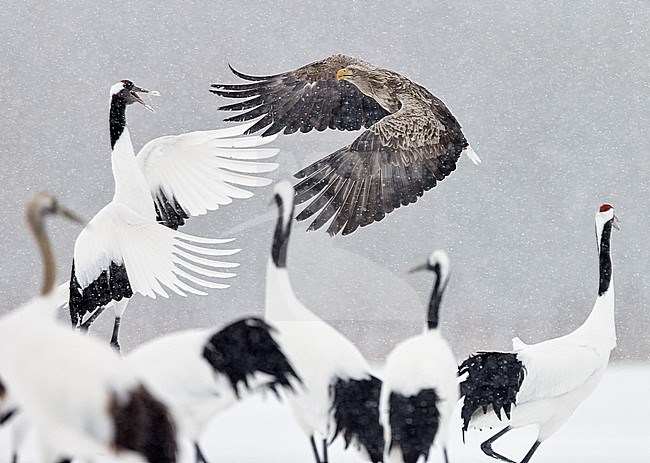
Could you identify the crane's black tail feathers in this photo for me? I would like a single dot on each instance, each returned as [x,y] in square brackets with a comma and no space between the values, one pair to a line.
[246,347]
[355,408]
[144,425]
[493,379]
[414,422]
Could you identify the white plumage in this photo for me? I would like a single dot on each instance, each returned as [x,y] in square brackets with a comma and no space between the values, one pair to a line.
[542,384]
[74,391]
[199,373]
[154,256]
[338,386]
[420,387]
[132,245]
[63,383]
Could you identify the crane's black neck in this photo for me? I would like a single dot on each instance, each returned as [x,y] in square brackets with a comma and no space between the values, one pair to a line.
[436,298]
[281,236]
[605,260]
[117,118]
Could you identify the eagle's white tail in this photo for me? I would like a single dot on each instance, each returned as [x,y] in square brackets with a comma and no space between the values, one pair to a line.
[472,155]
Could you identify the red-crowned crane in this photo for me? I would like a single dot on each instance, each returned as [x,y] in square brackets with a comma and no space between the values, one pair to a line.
[339,394]
[542,384]
[132,245]
[101,409]
[420,386]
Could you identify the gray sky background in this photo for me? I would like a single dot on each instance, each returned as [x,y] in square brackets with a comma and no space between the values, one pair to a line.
[553,97]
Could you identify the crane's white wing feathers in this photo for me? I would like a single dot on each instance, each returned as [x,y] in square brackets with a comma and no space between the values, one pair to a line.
[154,256]
[555,370]
[204,170]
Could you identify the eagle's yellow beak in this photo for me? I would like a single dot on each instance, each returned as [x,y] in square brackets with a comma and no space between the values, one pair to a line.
[342,74]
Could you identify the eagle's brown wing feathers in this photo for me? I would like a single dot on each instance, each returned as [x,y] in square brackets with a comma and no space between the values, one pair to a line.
[308,98]
[399,157]
[383,169]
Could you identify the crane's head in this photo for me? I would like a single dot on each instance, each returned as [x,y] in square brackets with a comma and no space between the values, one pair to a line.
[39,207]
[127,91]
[438,262]
[43,204]
[606,214]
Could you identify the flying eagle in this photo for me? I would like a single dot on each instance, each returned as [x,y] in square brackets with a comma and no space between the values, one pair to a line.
[411,140]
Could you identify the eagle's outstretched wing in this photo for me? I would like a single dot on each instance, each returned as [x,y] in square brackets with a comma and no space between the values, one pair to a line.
[384,168]
[307,98]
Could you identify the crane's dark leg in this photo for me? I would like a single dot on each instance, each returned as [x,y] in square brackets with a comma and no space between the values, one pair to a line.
[530,452]
[115,343]
[84,326]
[200,458]
[487,446]
[315,449]
[325,459]
[444,452]
[7,416]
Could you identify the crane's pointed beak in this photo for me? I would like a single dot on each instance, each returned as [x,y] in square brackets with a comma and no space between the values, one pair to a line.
[616,223]
[419,268]
[137,97]
[68,214]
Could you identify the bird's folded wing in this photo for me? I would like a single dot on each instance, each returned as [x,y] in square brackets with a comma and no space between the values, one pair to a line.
[154,257]
[195,172]
[308,98]
[385,168]
[552,371]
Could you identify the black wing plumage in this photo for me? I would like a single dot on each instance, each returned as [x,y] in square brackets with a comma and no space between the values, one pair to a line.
[111,285]
[305,99]
[246,347]
[414,422]
[493,379]
[355,408]
[168,212]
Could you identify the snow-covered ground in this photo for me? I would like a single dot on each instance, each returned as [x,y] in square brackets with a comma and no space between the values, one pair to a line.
[611,426]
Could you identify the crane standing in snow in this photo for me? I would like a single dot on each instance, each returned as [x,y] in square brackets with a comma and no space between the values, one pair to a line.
[81,413]
[132,245]
[420,386]
[38,208]
[543,383]
[202,372]
[339,393]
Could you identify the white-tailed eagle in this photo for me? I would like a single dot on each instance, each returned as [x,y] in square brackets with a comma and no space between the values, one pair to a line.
[411,140]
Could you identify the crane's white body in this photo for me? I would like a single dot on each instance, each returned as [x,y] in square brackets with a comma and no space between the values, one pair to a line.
[173,368]
[124,250]
[418,371]
[194,168]
[319,353]
[199,373]
[337,388]
[560,372]
[62,382]
[422,362]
